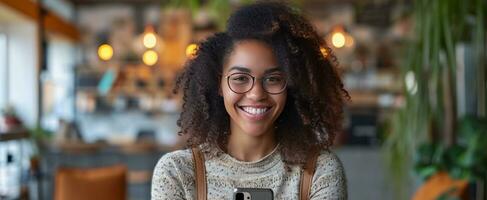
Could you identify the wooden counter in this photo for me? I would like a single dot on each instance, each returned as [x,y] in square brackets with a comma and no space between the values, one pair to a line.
[14,135]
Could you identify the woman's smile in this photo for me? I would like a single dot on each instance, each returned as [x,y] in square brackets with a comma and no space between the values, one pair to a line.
[255,112]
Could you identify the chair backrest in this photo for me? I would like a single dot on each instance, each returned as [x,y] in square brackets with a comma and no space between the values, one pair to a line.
[107,183]
[439,184]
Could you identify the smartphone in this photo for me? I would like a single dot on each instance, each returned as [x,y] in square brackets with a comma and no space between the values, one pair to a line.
[253,194]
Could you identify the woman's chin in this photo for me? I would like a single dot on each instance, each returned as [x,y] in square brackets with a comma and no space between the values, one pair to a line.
[256,131]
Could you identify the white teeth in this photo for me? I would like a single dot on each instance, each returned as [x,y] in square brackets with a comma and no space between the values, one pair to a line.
[255,111]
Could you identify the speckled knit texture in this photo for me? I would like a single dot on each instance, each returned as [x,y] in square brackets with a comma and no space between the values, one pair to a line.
[173,177]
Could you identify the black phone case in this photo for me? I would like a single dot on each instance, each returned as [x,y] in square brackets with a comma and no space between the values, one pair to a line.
[256,193]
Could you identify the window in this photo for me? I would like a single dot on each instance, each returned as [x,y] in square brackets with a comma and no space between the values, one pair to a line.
[3,71]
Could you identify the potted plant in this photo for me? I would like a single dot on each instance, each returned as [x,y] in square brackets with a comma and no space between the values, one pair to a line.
[432,90]
[457,166]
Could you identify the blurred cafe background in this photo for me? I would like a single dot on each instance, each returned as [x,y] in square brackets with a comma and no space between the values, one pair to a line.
[87,105]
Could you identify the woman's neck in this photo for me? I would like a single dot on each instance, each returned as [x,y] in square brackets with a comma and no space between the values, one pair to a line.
[245,147]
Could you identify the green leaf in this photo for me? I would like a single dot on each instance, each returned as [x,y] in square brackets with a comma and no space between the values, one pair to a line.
[425,172]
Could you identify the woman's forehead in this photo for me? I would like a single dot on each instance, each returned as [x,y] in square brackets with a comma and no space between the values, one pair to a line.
[251,56]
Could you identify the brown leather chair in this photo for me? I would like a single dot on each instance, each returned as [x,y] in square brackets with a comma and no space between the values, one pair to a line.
[105,183]
[441,183]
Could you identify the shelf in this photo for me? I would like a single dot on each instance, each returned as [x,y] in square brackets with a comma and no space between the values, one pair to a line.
[14,135]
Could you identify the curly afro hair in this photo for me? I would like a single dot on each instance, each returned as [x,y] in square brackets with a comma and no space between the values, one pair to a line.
[313,113]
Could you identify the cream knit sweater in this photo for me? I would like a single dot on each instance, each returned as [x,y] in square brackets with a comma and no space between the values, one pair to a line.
[173,177]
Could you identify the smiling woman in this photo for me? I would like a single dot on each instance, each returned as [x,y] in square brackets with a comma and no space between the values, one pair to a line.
[253,106]
[261,108]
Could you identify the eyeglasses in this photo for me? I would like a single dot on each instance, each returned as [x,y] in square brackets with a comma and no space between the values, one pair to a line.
[242,82]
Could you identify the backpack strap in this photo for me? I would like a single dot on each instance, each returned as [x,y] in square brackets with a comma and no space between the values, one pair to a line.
[200,173]
[307,174]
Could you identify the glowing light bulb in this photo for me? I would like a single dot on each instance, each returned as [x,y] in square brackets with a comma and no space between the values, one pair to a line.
[105,52]
[149,57]
[191,50]
[149,40]
[338,39]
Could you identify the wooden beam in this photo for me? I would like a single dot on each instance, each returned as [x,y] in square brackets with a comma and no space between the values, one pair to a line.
[55,24]
[52,22]
[26,7]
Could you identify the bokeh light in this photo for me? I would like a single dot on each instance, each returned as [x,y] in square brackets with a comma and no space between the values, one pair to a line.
[150,57]
[338,39]
[150,40]
[105,52]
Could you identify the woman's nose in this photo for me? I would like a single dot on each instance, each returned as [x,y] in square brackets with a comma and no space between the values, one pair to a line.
[257,92]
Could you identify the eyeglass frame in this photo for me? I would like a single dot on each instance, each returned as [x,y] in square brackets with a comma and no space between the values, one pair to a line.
[253,83]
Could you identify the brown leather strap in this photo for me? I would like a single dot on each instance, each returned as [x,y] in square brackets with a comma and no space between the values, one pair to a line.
[307,174]
[200,173]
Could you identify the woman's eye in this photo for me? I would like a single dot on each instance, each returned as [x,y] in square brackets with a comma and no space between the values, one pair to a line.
[274,79]
[240,79]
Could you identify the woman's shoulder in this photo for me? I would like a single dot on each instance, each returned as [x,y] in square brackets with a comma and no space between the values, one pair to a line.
[178,159]
[173,176]
[329,178]
[328,161]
